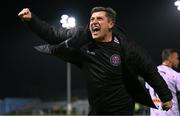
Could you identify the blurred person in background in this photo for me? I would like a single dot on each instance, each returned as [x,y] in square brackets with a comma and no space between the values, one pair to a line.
[170,62]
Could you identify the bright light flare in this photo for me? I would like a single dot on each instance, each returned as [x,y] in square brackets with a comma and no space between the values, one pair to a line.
[177,3]
[67,22]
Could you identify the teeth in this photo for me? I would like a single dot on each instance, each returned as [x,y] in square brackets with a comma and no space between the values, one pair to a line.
[96,29]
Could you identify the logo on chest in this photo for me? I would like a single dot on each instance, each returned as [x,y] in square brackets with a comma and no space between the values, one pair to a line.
[91,53]
[115,60]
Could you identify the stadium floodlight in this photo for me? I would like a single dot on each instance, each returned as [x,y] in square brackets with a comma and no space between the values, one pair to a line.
[177,3]
[71,22]
[67,22]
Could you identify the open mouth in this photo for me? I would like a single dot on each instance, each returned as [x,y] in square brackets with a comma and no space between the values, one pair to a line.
[95,29]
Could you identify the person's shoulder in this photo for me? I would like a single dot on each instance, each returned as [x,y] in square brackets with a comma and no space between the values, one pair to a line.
[163,67]
[166,70]
[160,67]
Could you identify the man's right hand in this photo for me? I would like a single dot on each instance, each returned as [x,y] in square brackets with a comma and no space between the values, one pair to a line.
[25,14]
[167,105]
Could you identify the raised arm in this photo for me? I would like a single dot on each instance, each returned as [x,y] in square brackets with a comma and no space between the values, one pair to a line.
[46,31]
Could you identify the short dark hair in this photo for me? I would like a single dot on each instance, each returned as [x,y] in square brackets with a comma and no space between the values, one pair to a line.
[167,52]
[110,13]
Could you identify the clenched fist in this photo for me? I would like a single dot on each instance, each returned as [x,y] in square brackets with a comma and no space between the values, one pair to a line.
[25,14]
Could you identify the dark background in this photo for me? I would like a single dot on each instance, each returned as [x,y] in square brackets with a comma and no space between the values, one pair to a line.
[154,24]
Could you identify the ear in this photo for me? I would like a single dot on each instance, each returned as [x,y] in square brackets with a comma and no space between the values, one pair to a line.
[111,24]
[170,59]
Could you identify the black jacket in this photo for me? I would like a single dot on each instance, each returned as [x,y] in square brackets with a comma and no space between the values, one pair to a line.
[136,61]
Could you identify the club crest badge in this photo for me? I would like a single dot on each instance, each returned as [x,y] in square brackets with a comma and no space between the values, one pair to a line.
[115,60]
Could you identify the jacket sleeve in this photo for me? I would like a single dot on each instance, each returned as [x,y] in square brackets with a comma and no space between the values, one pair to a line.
[63,51]
[49,33]
[143,65]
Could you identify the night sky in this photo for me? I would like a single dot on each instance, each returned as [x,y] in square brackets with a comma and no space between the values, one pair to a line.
[154,24]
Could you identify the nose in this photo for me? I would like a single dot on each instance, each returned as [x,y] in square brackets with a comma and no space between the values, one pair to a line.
[94,21]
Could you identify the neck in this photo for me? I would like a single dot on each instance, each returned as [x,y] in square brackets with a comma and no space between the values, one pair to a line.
[107,38]
[166,63]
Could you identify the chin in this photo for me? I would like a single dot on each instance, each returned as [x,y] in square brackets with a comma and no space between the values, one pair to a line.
[95,38]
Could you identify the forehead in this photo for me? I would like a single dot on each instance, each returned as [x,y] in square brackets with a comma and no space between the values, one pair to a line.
[99,14]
